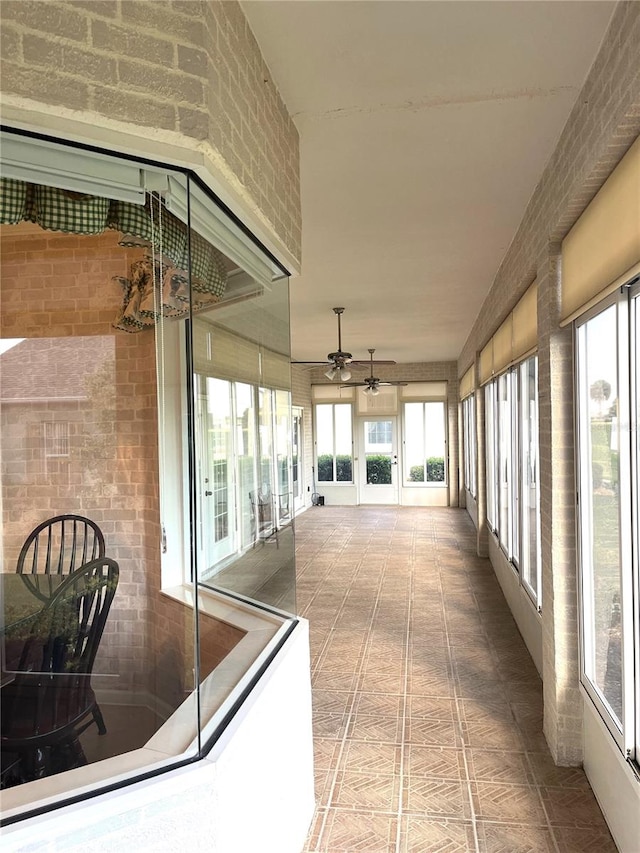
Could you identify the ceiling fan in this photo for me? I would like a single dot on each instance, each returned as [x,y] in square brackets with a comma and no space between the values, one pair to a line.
[341,362]
[372,383]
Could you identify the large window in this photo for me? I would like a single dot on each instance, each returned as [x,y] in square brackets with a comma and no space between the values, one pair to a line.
[469,444]
[511,412]
[425,443]
[150,398]
[334,442]
[607,405]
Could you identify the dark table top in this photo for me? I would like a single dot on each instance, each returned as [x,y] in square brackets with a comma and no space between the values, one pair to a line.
[24,596]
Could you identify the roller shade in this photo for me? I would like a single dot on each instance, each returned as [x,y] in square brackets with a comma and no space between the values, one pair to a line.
[424,391]
[602,250]
[467,383]
[525,324]
[485,371]
[276,370]
[502,346]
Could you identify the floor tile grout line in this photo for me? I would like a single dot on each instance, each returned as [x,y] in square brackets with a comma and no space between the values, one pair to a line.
[474,822]
[409,615]
[354,692]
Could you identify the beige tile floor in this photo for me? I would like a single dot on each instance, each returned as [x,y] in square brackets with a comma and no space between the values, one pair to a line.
[427,707]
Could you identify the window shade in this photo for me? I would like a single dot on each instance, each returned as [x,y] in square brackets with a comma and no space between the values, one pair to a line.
[502,346]
[525,324]
[328,391]
[602,250]
[467,383]
[424,391]
[486,363]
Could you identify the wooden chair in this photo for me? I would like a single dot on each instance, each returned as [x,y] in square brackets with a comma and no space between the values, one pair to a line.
[263,517]
[45,711]
[61,545]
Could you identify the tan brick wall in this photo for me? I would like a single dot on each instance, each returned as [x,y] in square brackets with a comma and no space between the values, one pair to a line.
[192,69]
[603,124]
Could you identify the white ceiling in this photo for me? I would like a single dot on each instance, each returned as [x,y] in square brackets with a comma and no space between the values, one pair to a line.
[424,128]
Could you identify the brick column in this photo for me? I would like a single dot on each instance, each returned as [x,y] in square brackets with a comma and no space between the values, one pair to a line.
[560,636]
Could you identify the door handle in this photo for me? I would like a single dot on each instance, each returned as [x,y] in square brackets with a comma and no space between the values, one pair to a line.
[207,494]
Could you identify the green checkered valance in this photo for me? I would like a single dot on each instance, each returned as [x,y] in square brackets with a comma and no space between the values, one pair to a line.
[158,284]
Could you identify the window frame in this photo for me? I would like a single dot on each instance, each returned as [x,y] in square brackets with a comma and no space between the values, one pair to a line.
[626,731]
[428,484]
[333,404]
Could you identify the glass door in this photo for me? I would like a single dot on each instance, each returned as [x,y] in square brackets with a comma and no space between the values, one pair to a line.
[216,517]
[378,468]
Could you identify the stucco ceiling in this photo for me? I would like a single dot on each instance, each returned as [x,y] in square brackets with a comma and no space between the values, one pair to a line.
[424,128]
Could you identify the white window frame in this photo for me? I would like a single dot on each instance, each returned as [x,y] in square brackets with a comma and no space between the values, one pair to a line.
[428,484]
[334,481]
[626,732]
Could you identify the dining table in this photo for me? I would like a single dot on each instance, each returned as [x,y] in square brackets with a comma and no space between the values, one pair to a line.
[23,597]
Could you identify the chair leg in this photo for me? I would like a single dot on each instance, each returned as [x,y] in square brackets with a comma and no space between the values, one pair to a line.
[99,720]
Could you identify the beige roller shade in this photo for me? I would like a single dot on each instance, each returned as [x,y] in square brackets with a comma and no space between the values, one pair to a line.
[602,250]
[486,363]
[467,383]
[424,391]
[525,324]
[503,346]
[276,370]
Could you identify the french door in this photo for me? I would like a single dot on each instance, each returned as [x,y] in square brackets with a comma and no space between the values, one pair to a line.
[378,461]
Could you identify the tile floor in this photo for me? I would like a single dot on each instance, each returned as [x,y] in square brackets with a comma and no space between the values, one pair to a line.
[427,707]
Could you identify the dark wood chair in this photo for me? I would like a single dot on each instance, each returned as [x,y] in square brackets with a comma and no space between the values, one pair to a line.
[60,545]
[45,710]
[263,517]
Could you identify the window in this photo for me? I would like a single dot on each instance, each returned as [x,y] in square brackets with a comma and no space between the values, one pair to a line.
[425,444]
[490,439]
[158,399]
[607,404]
[334,442]
[469,444]
[530,562]
[511,412]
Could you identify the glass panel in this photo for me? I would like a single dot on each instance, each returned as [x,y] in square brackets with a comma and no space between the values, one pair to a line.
[134,433]
[435,442]
[600,506]
[343,443]
[414,442]
[490,442]
[325,442]
[378,452]
[80,436]
[242,346]
[530,556]
[504,460]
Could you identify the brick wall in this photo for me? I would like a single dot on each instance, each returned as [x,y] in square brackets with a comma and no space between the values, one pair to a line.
[602,126]
[186,73]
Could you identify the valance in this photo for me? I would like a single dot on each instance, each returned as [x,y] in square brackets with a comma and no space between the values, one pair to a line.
[158,284]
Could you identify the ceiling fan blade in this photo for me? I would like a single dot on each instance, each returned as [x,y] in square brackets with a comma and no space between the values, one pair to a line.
[367,363]
[312,362]
[392,383]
